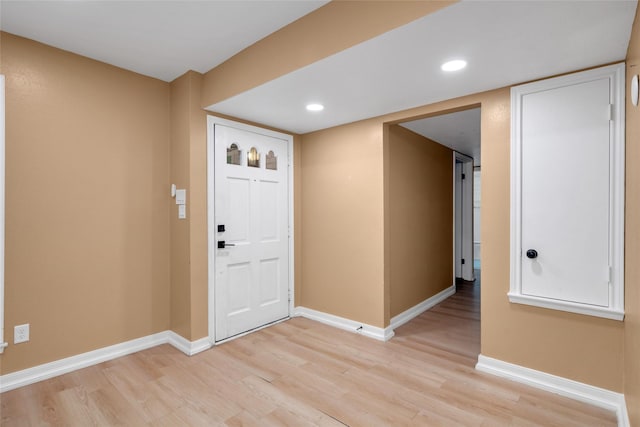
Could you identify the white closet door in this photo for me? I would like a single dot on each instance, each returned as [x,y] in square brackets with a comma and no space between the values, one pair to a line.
[565,193]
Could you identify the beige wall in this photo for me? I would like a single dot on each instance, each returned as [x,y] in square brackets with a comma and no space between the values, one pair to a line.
[342,222]
[87,243]
[420,214]
[189,262]
[180,278]
[197,211]
[632,238]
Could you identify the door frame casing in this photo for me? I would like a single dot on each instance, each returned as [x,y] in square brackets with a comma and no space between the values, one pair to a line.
[3,344]
[211,225]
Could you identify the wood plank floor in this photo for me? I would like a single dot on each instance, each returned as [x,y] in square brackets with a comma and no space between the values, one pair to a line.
[302,373]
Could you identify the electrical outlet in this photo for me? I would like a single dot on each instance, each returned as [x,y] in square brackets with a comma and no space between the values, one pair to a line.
[21,333]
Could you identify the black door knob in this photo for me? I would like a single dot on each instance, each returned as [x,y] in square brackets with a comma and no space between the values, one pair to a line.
[532,253]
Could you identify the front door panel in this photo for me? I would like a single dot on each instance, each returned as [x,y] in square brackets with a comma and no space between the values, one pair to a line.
[251,201]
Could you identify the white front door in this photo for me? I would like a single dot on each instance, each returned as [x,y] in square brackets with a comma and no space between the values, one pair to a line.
[251,247]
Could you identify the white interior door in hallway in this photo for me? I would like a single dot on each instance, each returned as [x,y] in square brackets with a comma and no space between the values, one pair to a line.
[249,234]
[463,213]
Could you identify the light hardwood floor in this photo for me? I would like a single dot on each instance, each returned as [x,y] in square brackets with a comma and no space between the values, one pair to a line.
[301,373]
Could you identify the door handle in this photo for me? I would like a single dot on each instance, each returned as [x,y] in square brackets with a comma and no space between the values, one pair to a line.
[532,254]
[222,244]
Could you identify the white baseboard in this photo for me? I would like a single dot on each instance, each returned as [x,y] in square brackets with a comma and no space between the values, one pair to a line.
[565,387]
[53,369]
[623,414]
[346,324]
[188,347]
[418,309]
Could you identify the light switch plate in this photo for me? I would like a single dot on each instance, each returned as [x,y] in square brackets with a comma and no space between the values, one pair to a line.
[182,211]
[181,197]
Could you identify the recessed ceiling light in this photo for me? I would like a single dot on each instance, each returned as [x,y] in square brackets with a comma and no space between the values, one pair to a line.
[315,107]
[455,65]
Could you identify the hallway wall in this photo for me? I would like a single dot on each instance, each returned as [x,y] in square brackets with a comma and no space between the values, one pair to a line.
[420,218]
[342,222]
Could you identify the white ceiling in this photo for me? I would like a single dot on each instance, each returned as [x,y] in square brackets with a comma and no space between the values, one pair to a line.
[505,42]
[162,39]
[459,131]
